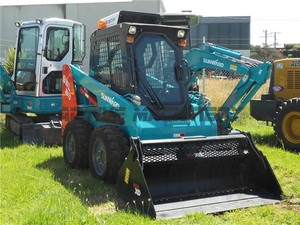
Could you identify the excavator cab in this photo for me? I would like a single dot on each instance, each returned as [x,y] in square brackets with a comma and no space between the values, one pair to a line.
[38,67]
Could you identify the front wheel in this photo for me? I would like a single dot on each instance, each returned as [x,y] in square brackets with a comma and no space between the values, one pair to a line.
[107,151]
[287,126]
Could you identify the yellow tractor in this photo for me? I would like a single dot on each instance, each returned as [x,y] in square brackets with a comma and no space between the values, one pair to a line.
[281,106]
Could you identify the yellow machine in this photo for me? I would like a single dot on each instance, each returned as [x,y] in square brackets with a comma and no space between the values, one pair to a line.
[281,106]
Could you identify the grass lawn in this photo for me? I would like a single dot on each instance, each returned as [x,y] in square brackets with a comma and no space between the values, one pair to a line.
[36,187]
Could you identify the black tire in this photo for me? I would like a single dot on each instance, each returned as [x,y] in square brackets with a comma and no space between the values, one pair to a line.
[75,143]
[107,151]
[287,125]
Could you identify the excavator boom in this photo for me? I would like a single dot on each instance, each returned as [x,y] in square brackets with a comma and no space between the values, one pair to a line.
[254,74]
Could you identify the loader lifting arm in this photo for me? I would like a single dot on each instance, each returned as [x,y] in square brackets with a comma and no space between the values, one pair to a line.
[255,74]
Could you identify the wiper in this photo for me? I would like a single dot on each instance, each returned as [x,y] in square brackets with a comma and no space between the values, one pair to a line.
[154,100]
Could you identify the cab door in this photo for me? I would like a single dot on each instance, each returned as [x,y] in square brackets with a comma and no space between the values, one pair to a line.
[26,69]
[57,50]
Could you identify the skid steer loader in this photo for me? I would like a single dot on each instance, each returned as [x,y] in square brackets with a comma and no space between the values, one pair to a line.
[134,120]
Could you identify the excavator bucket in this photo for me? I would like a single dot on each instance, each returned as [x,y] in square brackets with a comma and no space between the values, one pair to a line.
[172,177]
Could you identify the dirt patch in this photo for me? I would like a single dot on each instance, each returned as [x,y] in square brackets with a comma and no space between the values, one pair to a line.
[104,208]
[290,204]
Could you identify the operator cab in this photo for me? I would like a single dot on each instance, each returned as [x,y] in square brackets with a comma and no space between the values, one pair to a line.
[42,48]
[144,60]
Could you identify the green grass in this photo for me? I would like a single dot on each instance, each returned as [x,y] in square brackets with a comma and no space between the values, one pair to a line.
[36,187]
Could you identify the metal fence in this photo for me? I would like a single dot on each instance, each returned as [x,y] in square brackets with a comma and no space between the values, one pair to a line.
[217,85]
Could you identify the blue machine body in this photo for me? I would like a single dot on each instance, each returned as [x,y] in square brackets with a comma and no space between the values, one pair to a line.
[139,120]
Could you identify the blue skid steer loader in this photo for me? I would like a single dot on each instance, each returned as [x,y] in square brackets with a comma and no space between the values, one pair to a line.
[135,121]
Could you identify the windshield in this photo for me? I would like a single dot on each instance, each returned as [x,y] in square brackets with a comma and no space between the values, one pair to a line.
[155,64]
[26,59]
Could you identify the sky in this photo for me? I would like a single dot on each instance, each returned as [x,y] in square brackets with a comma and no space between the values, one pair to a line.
[280,19]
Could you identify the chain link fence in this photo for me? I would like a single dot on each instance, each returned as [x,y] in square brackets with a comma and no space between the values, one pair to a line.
[217,85]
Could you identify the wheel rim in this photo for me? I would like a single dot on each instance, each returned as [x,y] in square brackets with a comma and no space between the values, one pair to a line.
[99,157]
[70,147]
[291,127]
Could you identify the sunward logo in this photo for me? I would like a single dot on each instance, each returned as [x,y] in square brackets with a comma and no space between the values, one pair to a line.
[213,62]
[110,100]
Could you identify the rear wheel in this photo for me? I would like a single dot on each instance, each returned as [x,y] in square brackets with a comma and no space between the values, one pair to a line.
[107,151]
[75,143]
[287,127]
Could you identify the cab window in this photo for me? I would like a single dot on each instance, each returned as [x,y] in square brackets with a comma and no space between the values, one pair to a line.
[57,43]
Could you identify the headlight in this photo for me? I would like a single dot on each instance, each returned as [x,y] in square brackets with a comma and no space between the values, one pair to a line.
[180,34]
[132,30]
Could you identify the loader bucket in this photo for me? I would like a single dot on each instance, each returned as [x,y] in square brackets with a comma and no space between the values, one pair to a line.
[172,177]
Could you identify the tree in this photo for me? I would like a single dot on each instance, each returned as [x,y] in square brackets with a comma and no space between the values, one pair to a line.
[264,53]
[291,50]
[9,60]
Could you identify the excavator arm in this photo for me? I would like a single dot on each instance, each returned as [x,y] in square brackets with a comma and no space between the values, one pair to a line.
[254,74]
[7,90]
